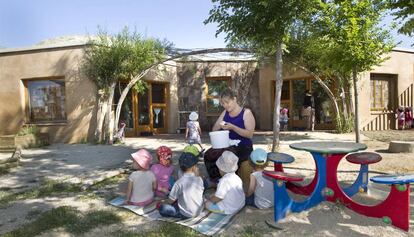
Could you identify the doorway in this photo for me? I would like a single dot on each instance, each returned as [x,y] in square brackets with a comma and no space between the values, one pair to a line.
[292,96]
[152,111]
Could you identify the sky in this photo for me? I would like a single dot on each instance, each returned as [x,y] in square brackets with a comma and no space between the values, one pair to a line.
[26,22]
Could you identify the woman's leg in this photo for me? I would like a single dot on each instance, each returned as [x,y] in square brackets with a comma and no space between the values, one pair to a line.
[244,172]
[245,169]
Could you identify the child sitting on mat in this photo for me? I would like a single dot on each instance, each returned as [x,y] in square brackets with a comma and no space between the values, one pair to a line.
[163,171]
[260,193]
[229,197]
[186,196]
[142,182]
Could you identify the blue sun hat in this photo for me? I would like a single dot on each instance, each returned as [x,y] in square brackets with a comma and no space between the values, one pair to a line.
[258,156]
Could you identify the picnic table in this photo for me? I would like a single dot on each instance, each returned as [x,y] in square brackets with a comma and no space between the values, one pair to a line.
[395,209]
[327,156]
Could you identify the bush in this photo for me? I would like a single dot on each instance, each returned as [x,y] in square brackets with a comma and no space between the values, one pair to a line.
[27,129]
[347,124]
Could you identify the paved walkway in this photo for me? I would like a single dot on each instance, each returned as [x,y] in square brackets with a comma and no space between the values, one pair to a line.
[88,164]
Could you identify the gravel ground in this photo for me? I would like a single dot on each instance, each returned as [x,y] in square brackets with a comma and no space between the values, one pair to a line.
[327,219]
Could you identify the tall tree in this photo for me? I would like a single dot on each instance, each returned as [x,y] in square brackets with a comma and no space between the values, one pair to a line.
[111,58]
[263,26]
[357,40]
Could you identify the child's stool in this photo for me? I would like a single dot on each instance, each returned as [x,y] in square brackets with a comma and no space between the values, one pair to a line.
[282,202]
[363,159]
[279,158]
[395,209]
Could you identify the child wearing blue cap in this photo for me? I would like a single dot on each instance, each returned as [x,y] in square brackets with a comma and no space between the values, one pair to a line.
[260,192]
[186,196]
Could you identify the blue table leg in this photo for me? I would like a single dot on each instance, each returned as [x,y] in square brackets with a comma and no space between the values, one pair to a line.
[284,203]
[360,182]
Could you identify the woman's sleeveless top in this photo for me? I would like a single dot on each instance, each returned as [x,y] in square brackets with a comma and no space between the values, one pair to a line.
[239,122]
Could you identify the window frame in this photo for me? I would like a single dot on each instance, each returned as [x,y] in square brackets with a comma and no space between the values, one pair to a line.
[227,79]
[29,120]
[388,79]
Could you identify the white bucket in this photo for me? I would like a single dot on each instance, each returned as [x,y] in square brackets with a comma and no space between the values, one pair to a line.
[220,139]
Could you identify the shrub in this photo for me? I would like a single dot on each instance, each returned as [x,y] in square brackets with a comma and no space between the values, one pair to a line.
[27,129]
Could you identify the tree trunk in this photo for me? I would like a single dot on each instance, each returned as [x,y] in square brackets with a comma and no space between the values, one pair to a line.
[108,118]
[344,106]
[278,92]
[351,101]
[153,66]
[100,117]
[354,79]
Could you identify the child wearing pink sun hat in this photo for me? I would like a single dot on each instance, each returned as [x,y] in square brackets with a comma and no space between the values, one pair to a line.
[142,182]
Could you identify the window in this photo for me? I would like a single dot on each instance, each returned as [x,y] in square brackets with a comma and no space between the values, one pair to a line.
[46,100]
[382,88]
[215,85]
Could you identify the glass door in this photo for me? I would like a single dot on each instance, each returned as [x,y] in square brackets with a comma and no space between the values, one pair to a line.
[144,116]
[152,111]
[323,106]
[159,108]
[298,92]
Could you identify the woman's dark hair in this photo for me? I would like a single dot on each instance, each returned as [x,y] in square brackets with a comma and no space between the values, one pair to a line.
[227,93]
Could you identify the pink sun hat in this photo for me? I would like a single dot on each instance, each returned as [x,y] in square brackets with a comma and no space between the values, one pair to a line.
[143,158]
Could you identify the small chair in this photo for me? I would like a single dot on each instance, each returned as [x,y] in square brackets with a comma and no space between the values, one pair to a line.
[279,158]
[363,159]
[395,209]
[282,202]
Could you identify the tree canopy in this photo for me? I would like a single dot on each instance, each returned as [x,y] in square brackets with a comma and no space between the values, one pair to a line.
[112,58]
[404,11]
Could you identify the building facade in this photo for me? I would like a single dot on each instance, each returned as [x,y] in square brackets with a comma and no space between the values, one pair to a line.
[45,86]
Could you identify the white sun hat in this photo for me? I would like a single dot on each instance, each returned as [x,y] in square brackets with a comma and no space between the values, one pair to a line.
[227,162]
[193,116]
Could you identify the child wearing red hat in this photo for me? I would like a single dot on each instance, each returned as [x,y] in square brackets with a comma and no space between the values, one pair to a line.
[163,171]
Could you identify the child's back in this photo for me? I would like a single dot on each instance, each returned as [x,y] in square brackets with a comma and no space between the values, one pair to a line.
[163,170]
[193,132]
[188,191]
[230,189]
[186,196]
[263,194]
[142,188]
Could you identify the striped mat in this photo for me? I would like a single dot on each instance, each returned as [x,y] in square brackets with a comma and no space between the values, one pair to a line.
[206,223]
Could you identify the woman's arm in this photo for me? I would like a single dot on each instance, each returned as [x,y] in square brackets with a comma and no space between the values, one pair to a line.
[217,125]
[249,124]
[252,186]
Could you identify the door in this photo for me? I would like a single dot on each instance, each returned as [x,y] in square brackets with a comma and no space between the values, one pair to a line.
[152,111]
[298,91]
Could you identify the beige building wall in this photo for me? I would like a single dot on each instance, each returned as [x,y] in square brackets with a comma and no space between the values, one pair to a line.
[401,65]
[80,93]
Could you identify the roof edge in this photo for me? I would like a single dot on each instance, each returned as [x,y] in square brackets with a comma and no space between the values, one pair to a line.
[40,48]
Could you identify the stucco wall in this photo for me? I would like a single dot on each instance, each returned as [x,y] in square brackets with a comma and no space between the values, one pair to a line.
[80,93]
[399,64]
[192,90]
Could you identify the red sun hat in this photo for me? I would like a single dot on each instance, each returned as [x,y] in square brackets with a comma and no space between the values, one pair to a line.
[164,152]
